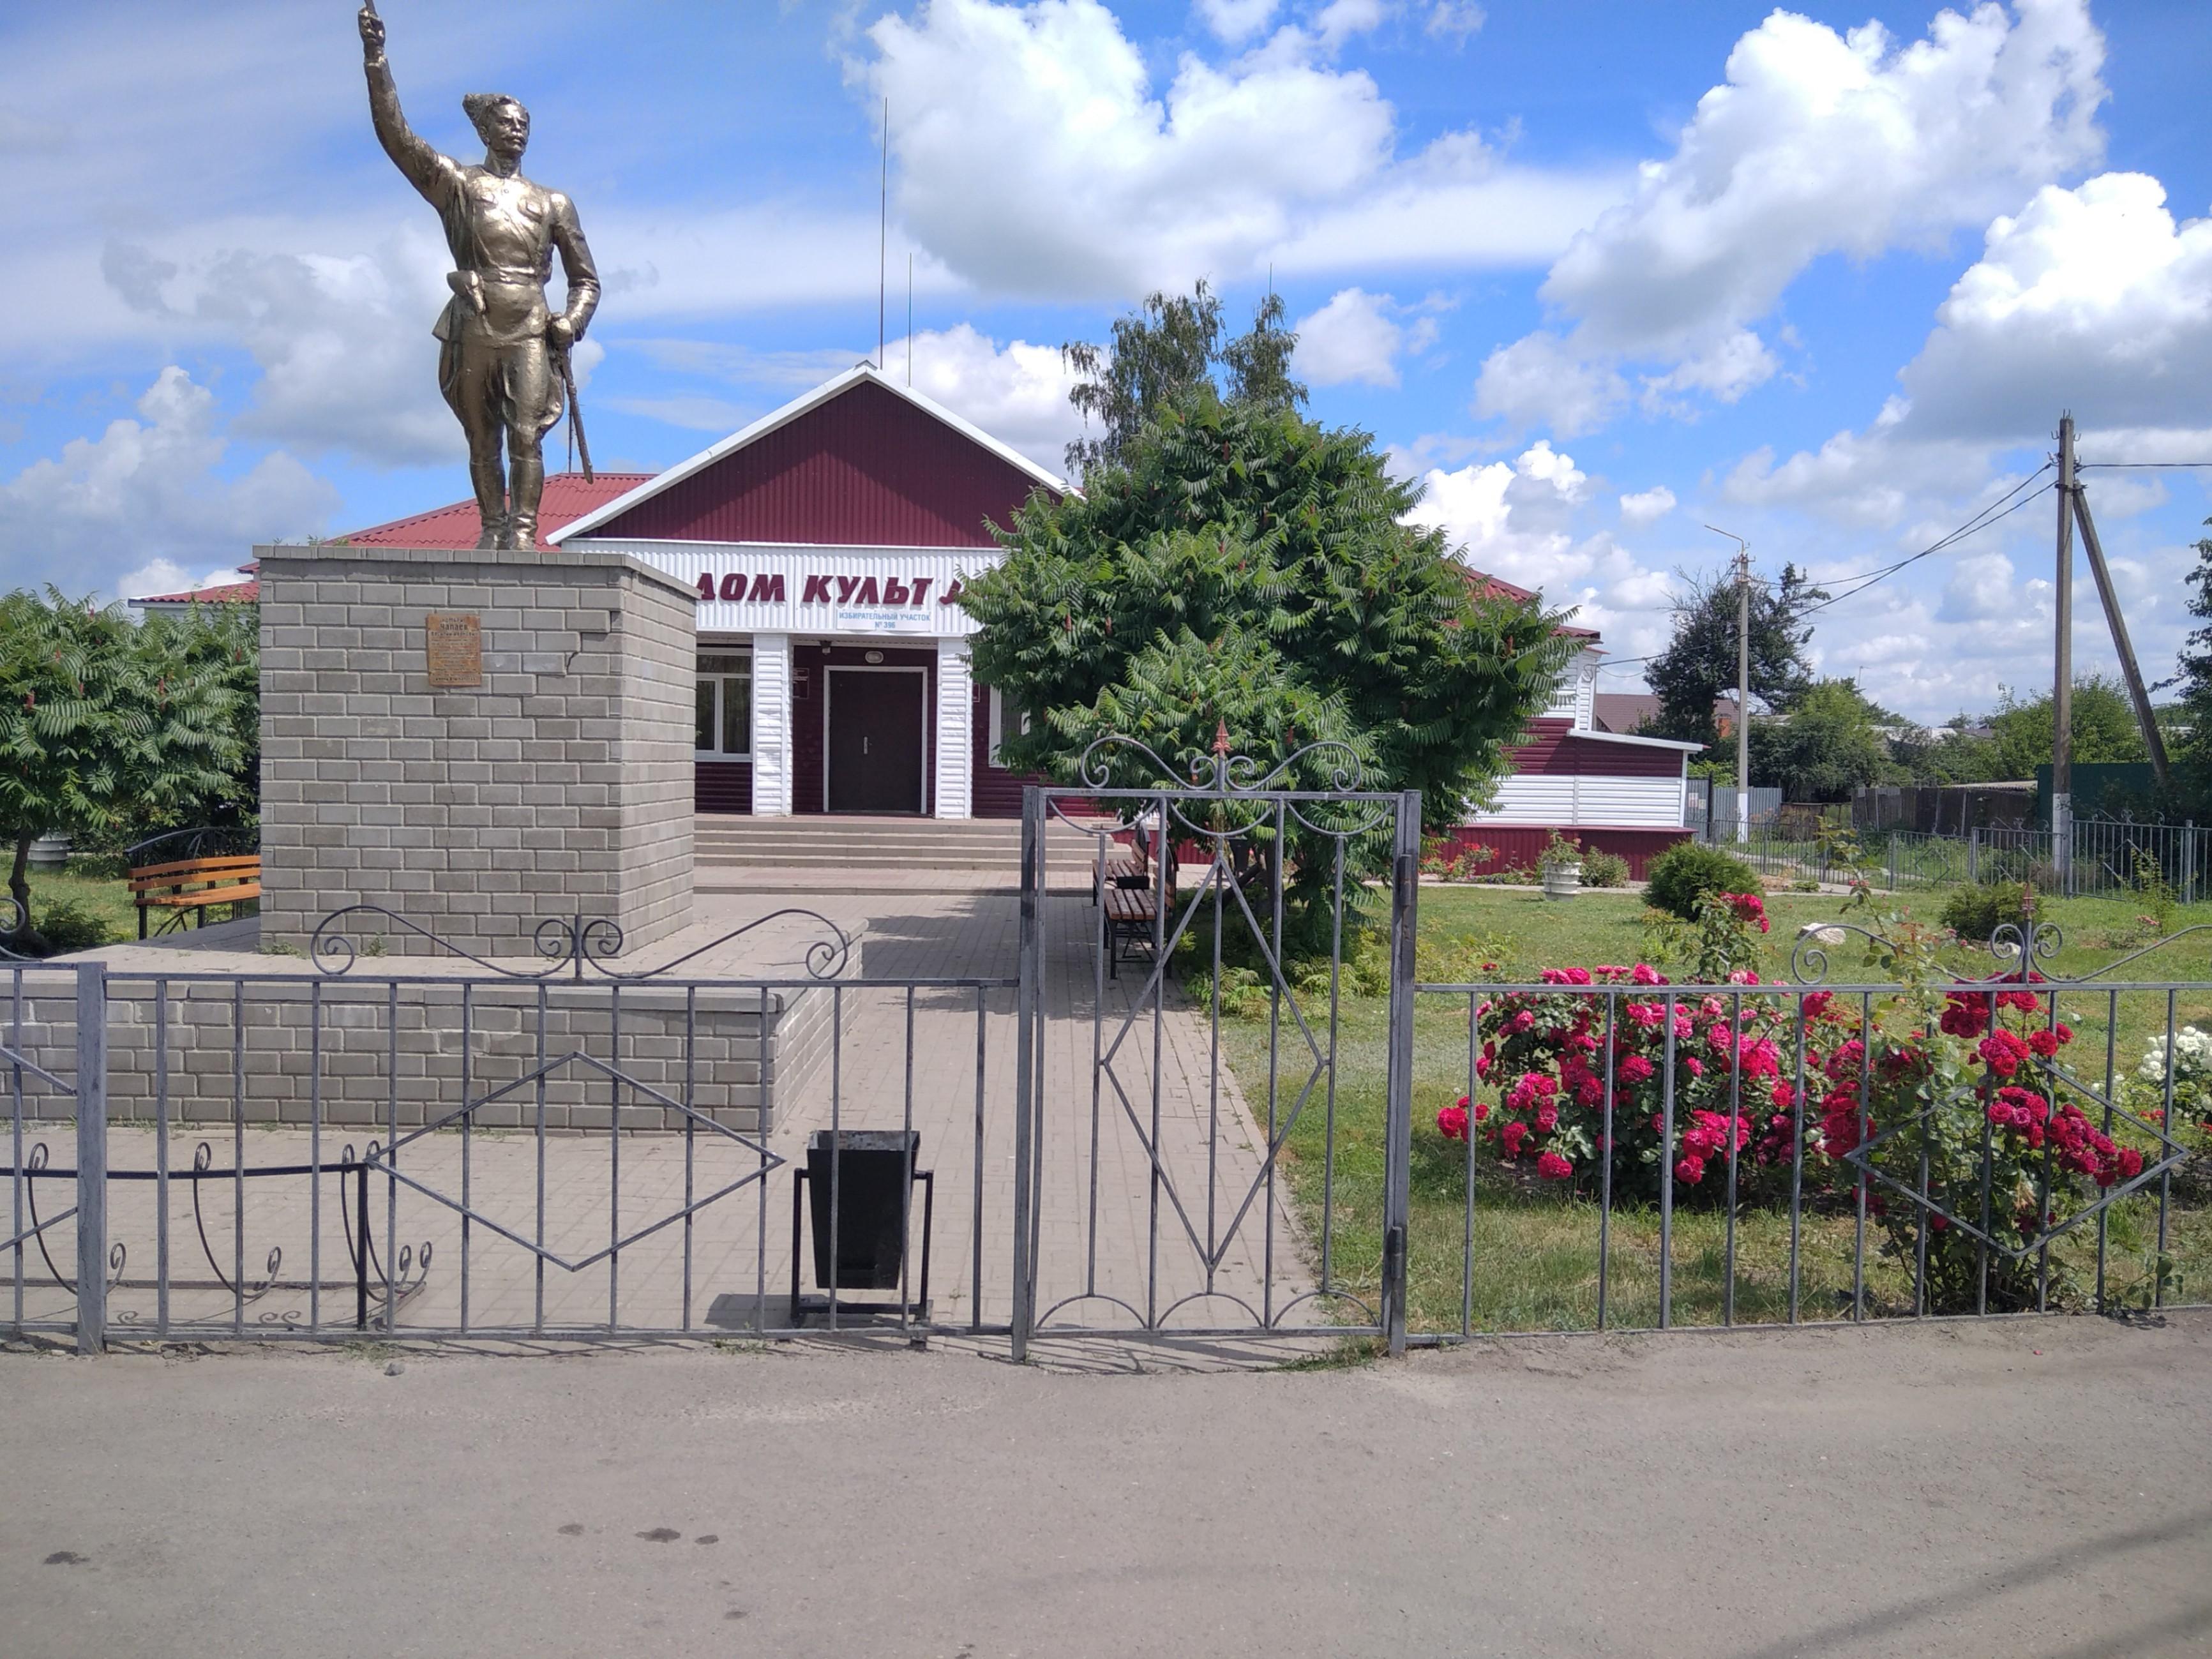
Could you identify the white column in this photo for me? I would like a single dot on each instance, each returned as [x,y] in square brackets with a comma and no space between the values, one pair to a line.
[955,736]
[771,725]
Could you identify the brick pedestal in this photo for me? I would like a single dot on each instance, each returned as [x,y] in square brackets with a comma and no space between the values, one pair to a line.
[560,786]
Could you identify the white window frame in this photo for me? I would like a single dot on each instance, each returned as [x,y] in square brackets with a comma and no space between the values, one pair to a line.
[999,725]
[721,683]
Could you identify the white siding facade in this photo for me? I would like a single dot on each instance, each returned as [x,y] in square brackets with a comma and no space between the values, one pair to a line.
[1540,799]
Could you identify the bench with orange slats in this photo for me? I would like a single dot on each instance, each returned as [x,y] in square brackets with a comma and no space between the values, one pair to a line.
[194,885]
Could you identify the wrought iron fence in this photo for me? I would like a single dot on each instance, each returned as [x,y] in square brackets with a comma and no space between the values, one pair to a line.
[2111,857]
[1801,1152]
[565,1148]
[348,1148]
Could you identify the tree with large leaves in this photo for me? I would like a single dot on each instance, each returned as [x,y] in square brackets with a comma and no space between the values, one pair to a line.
[106,727]
[1242,569]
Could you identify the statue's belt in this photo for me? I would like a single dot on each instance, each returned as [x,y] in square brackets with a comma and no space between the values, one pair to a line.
[468,286]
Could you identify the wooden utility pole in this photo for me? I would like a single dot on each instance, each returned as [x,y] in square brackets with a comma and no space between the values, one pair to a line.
[2129,670]
[2061,679]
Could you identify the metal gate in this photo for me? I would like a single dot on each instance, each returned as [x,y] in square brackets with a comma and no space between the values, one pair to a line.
[1152,1195]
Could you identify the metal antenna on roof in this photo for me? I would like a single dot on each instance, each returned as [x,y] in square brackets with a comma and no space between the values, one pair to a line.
[883,233]
[909,318]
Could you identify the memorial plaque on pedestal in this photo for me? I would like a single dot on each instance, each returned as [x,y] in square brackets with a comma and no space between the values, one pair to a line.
[454,649]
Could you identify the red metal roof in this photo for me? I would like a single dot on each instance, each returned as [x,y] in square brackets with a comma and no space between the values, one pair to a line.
[866,465]
[567,497]
[1496,587]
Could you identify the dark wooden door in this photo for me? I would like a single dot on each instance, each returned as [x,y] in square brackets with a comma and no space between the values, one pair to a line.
[875,740]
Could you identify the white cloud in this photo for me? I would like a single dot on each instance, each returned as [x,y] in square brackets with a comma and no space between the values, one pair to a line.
[1646,506]
[1352,339]
[1724,370]
[1820,143]
[1980,589]
[1455,20]
[1517,519]
[1017,393]
[1540,381]
[1341,20]
[2093,298]
[1077,176]
[1236,21]
[155,487]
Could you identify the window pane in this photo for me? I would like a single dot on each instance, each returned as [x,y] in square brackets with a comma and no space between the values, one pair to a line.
[738,716]
[704,725]
[725,662]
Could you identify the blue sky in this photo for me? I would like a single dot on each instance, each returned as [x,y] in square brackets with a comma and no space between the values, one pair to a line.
[1599,272]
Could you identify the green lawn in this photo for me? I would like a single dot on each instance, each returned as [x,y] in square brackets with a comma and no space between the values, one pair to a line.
[1536,1255]
[96,887]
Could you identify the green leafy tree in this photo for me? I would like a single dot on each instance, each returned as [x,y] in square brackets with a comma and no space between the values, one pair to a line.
[1698,666]
[1240,567]
[2192,745]
[1169,348]
[1826,746]
[104,727]
[211,660]
[2104,729]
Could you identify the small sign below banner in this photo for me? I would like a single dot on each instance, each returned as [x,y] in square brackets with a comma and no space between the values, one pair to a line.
[454,649]
[883,619]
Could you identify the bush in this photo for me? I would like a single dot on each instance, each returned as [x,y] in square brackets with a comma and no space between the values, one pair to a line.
[61,928]
[1683,874]
[1975,913]
[1604,869]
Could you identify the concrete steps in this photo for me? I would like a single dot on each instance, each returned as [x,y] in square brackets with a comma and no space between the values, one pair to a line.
[831,843]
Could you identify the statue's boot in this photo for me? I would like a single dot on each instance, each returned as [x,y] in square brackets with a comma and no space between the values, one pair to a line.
[528,479]
[491,501]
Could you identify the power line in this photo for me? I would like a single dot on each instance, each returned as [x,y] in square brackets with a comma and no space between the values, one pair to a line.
[1995,512]
[2084,467]
[1951,540]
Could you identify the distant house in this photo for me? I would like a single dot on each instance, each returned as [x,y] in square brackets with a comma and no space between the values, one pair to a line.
[1623,711]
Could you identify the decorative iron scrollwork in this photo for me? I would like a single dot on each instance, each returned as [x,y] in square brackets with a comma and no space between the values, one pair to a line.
[1221,772]
[573,944]
[1809,958]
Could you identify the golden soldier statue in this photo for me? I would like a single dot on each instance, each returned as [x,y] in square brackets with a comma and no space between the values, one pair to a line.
[504,359]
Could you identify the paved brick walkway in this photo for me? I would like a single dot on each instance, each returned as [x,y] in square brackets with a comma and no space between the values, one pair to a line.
[1116,1245]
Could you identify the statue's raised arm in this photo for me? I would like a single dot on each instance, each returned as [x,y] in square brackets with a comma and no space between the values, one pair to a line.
[425,169]
[504,361]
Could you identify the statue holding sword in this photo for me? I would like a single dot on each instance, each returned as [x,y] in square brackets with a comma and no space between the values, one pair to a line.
[504,361]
